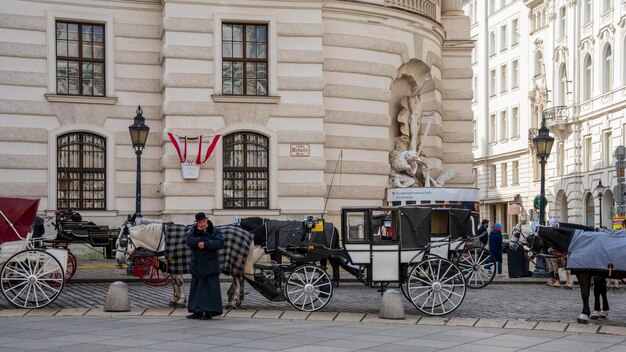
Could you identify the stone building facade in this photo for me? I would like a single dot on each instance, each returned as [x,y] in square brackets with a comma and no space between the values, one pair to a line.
[306,92]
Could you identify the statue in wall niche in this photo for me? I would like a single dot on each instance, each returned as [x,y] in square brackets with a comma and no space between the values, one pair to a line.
[409,118]
[405,165]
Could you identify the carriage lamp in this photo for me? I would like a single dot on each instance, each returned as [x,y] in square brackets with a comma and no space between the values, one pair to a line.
[543,145]
[600,191]
[138,135]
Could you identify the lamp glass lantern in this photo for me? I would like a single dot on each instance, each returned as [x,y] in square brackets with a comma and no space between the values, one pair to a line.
[543,143]
[139,131]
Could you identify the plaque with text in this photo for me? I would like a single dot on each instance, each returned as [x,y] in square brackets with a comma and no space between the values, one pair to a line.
[300,150]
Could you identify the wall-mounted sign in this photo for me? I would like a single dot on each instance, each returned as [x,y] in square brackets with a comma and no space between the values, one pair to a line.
[190,171]
[299,150]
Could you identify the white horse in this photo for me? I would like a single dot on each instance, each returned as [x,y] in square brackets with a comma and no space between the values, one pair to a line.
[149,234]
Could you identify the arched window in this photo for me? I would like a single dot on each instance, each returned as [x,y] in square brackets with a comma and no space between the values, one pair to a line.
[81,171]
[607,74]
[538,63]
[246,171]
[589,211]
[587,67]
[562,85]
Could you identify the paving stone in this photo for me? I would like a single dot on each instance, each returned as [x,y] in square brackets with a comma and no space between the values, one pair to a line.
[72,312]
[490,323]
[613,330]
[44,312]
[180,312]
[158,311]
[584,328]
[295,315]
[410,320]
[13,312]
[520,324]
[432,321]
[268,314]
[461,322]
[322,316]
[101,313]
[373,318]
[350,317]
[551,326]
[240,313]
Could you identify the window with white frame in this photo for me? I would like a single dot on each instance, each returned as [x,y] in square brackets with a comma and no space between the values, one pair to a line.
[492,82]
[607,146]
[562,21]
[504,174]
[607,70]
[492,128]
[492,43]
[560,154]
[503,38]
[562,97]
[515,121]
[515,171]
[475,88]
[607,5]
[492,175]
[503,78]
[587,11]
[244,59]
[514,74]
[503,125]
[588,154]
[587,74]
[514,32]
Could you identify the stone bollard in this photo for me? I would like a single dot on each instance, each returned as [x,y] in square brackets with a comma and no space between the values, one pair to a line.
[117,298]
[391,306]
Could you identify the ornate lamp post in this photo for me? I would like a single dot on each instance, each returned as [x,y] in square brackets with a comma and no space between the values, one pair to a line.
[138,135]
[600,191]
[543,145]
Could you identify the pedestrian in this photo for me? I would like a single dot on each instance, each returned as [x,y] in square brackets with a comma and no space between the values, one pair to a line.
[205,298]
[495,245]
[482,230]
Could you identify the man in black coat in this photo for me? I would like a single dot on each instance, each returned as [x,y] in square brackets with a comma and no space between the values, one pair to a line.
[205,298]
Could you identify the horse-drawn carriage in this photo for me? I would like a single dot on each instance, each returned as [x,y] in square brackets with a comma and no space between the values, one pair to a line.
[30,277]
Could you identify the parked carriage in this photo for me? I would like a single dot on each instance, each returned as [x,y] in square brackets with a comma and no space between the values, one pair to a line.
[381,246]
[30,277]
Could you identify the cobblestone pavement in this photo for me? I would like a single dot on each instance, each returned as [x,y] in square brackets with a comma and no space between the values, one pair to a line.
[501,301]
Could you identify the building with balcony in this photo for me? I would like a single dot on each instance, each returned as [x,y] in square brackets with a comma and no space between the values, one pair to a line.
[572,76]
[303,93]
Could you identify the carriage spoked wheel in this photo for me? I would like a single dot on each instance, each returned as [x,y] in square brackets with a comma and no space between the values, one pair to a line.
[436,286]
[308,288]
[478,266]
[70,270]
[32,279]
[150,271]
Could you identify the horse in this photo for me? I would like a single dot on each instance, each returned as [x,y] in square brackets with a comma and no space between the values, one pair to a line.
[261,228]
[168,242]
[572,241]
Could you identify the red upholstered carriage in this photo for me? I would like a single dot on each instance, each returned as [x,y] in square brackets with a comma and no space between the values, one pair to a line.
[29,277]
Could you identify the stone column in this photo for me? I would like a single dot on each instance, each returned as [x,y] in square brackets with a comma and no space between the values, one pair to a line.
[452,8]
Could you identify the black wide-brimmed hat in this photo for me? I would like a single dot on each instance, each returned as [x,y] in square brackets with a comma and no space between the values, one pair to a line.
[201,216]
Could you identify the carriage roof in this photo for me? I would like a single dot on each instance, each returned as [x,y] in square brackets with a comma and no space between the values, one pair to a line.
[17,216]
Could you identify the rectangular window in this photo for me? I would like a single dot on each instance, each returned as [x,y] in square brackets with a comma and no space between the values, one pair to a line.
[492,6]
[244,59]
[246,171]
[514,122]
[514,32]
[607,145]
[562,21]
[607,5]
[492,43]
[503,38]
[515,173]
[560,154]
[492,82]
[505,174]
[588,153]
[587,10]
[503,125]
[503,78]
[492,128]
[492,175]
[475,88]
[515,74]
[80,59]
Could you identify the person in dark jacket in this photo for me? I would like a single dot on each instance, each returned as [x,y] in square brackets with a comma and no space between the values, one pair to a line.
[205,298]
[495,245]
[482,230]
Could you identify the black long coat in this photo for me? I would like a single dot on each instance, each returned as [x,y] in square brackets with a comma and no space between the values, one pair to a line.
[205,294]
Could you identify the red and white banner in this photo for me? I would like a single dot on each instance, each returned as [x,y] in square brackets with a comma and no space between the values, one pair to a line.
[181,148]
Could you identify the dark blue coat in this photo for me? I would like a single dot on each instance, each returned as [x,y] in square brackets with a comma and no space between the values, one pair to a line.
[495,244]
[482,230]
[204,262]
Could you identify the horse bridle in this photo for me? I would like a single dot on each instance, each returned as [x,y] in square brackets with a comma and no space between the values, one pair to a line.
[125,240]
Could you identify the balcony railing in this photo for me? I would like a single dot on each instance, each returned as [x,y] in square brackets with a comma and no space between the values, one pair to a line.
[555,114]
[426,8]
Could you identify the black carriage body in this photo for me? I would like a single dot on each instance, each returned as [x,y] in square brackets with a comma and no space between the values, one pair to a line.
[69,230]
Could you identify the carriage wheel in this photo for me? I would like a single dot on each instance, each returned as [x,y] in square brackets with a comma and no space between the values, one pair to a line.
[32,279]
[436,286]
[308,288]
[69,271]
[149,271]
[478,266]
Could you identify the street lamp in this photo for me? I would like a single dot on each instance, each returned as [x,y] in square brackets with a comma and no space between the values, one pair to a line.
[543,145]
[600,190]
[138,135]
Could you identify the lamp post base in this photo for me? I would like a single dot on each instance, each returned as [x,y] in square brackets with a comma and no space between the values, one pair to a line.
[540,269]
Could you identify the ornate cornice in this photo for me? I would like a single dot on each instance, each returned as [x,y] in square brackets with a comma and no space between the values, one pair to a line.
[561,53]
[426,8]
[605,34]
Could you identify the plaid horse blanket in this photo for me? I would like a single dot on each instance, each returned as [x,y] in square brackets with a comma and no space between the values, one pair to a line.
[237,244]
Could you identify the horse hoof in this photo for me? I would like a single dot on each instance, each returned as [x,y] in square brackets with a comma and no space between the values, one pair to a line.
[594,315]
[179,305]
[604,314]
[581,321]
[568,287]
[171,304]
